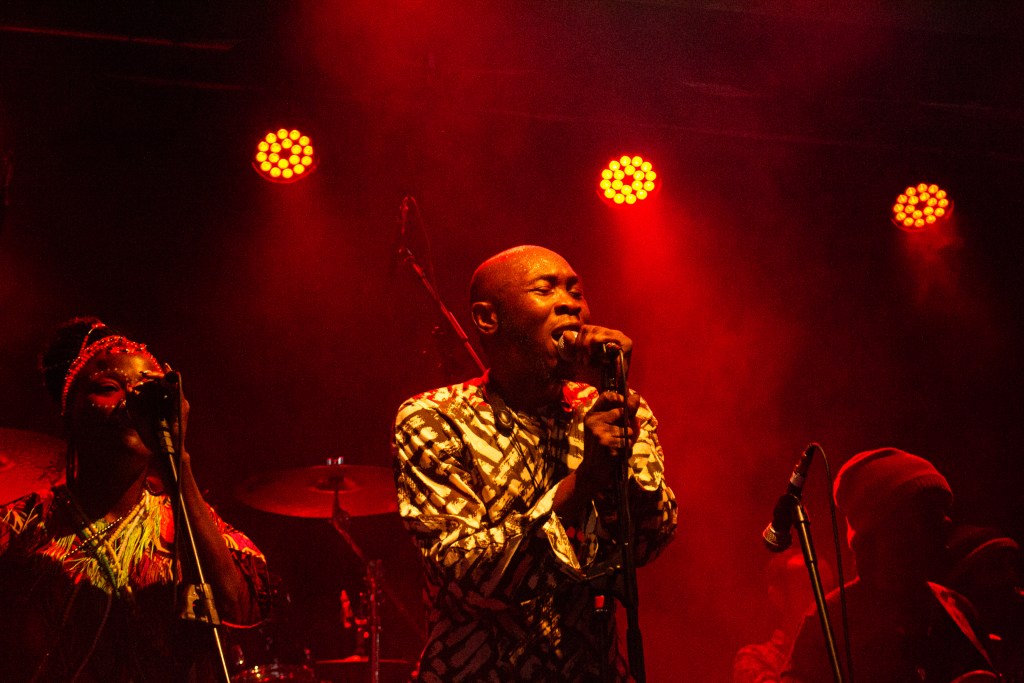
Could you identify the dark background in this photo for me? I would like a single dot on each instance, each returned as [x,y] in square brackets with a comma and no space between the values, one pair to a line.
[771,301]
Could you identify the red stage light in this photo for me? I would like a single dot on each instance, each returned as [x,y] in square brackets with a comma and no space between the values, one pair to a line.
[284,156]
[627,180]
[920,207]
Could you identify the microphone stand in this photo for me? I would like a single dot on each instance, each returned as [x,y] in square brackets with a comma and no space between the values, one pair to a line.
[199,605]
[614,379]
[408,257]
[803,529]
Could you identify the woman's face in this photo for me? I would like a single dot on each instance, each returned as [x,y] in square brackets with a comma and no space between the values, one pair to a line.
[99,419]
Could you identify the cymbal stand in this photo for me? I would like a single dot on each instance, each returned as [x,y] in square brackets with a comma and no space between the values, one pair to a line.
[367,620]
[341,520]
[373,577]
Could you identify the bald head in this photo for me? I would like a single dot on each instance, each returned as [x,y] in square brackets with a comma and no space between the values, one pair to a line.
[493,278]
[517,293]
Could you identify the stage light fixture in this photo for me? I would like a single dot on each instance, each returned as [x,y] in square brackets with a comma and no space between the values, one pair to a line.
[285,156]
[921,206]
[627,180]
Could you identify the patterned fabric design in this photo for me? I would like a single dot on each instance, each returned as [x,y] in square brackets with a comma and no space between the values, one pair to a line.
[762,662]
[509,588]
[67,612]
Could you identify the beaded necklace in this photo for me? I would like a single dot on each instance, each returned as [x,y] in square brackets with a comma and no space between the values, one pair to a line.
[98,542]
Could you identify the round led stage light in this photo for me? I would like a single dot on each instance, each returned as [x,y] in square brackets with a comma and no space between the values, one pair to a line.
[627,180]
[921,206]
[285,156]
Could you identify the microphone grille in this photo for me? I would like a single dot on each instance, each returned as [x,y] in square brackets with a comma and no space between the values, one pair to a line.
[565,342]
[774,542]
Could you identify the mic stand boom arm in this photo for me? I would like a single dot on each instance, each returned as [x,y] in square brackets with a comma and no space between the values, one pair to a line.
[407,257]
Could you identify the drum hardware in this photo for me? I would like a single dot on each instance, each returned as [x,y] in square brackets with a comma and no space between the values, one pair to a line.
[367,620]
[315,492]
[339,492]
[340,520]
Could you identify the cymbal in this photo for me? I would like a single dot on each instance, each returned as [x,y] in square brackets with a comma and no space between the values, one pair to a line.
[29,463]
[309,491]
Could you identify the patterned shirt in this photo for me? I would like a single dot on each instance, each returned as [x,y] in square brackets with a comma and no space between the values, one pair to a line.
[99,604]
[510,586]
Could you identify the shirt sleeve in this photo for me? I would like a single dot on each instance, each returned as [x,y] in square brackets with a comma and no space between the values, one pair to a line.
[653,506]
[752,666]
[253,565]
[482,562]
[18,518]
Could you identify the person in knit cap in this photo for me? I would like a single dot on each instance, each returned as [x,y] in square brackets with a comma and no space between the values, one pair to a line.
[902,626]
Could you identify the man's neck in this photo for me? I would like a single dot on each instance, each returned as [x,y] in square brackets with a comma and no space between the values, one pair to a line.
[526,394]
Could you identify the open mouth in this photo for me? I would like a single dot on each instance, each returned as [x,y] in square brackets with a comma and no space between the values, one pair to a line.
[557,333]
[569,333]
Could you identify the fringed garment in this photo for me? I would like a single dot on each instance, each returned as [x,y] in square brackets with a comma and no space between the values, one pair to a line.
[83,600]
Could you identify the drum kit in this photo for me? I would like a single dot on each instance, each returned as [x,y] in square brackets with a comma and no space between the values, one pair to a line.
[32,462]
[337,492]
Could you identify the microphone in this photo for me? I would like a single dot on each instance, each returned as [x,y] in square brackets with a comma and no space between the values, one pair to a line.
[566,342]
[777,534]
[154,398]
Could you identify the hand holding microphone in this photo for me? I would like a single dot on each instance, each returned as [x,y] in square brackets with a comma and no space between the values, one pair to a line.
[153,395]
[153,406]
[592,344]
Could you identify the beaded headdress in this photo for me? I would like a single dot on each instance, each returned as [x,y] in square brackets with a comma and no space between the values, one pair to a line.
[114,344]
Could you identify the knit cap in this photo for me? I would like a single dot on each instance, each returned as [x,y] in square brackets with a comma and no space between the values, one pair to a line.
[871,483]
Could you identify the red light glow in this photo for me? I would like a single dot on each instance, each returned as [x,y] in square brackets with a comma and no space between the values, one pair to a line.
[920,207]
[627,180]
[284,156]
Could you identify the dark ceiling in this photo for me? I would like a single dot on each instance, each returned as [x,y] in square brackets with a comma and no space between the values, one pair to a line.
[908,76]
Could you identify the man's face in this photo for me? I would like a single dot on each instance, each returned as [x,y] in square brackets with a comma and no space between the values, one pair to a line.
[540,299]
[910,543]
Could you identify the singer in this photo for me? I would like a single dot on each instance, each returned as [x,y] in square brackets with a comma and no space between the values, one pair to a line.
[87,570]
[505,481]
